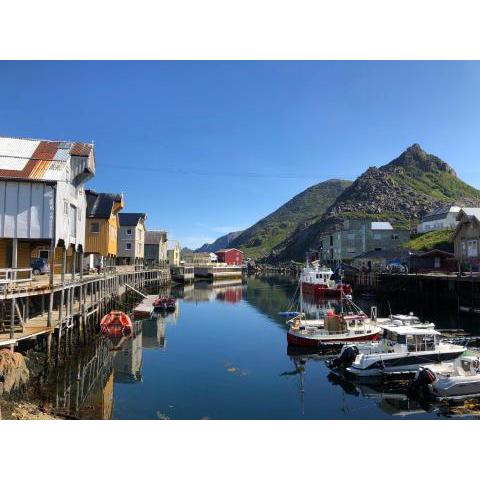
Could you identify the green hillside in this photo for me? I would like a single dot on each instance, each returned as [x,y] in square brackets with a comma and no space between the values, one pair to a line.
[306,207]
[440,239]
[402,192]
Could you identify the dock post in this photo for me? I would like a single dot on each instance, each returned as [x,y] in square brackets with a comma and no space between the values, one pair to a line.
[12,318]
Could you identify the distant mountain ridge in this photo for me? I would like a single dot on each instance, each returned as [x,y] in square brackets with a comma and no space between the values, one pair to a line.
[303,209]
[221,242]
[401,192]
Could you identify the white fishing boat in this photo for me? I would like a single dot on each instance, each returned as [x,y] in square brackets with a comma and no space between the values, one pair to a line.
[403,349]
[457,380]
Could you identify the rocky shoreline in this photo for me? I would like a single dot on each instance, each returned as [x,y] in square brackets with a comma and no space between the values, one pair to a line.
[16,371]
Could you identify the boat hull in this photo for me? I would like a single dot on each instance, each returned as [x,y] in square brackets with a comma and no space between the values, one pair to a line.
[315,342]
[322,290]
[402,364]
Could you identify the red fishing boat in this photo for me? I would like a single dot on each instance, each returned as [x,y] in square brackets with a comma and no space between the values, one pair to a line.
[165,303]
[316,280]
[116,324]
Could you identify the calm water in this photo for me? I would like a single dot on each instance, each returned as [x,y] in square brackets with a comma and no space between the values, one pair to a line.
[223,355]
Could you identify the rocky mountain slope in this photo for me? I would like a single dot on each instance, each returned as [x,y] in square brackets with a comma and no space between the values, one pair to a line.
[401,192]
[303,209]
[221,242]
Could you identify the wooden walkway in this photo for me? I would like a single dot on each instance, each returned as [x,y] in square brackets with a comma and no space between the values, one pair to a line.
[145,308]
[72,302]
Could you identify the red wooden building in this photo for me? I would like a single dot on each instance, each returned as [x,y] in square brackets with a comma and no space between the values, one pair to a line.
[230,256]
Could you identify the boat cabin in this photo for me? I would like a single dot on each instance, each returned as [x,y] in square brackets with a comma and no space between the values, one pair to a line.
[316,274]
[411,339]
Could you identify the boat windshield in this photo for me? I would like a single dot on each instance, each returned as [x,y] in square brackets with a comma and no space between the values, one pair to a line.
[420,343]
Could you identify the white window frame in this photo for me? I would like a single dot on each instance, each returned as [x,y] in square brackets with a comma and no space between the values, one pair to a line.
[91,229]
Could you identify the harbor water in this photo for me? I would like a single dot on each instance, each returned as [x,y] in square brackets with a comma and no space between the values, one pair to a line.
[223,355]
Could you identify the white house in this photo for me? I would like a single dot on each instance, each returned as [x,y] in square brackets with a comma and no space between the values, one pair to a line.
[42,198]
[439,219]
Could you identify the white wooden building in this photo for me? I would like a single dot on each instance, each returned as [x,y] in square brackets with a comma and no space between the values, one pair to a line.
[42,197]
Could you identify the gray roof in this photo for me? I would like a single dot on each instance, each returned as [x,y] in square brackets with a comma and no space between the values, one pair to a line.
[131,219]
[99,205]
[154,237]
[381,226]
[439,213]
[472,212]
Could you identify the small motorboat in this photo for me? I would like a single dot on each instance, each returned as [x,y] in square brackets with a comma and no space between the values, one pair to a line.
[457,380]
[165,303]
[116,324]
[402,350]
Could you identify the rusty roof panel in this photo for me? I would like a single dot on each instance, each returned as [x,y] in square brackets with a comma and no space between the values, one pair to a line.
[81,149]
[45,151]
[37,159]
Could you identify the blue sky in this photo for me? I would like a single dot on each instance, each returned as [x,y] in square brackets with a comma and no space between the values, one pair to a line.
[210,147]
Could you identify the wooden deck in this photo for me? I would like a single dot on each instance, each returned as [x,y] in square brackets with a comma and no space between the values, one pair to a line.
[145,308]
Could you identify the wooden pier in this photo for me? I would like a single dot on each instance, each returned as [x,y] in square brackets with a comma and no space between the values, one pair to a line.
[461,291]
[62,304]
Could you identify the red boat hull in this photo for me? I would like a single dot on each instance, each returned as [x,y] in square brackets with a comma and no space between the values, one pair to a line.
[316,343]
[322,290]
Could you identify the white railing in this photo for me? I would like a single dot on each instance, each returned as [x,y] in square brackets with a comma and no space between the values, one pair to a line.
[15,275]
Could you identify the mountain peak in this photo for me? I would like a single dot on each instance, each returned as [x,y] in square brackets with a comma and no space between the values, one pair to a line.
[415,158]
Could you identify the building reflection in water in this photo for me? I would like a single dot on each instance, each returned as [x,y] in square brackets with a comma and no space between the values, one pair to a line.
[83,386]
[230,291]
[127,363]
[153,333]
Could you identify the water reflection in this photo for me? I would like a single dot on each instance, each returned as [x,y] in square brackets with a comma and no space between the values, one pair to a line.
[227,357]
[128,360]
[153,333]
[230,291]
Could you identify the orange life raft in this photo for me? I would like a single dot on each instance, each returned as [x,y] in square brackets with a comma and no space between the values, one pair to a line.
[116,324]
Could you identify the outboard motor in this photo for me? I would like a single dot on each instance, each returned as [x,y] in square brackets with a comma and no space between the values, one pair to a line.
[422,380]
[345,359]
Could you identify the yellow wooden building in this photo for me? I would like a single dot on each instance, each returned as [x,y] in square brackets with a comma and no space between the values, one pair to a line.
[101,235]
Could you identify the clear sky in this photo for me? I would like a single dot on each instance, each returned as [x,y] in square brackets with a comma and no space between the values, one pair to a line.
[209,147]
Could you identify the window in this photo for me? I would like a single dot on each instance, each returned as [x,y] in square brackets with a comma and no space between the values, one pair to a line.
[464,248]
[65,207]
[129,246]
[94,227]
[472,248]
[351,236]
[377,236]
[129,231]
[394,236]
[43,254]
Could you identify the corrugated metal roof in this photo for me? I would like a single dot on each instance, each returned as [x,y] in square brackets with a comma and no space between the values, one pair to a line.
[381,226]
[32,159]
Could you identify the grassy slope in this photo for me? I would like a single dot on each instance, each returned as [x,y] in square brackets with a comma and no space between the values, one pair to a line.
[307,206]
[441,239]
